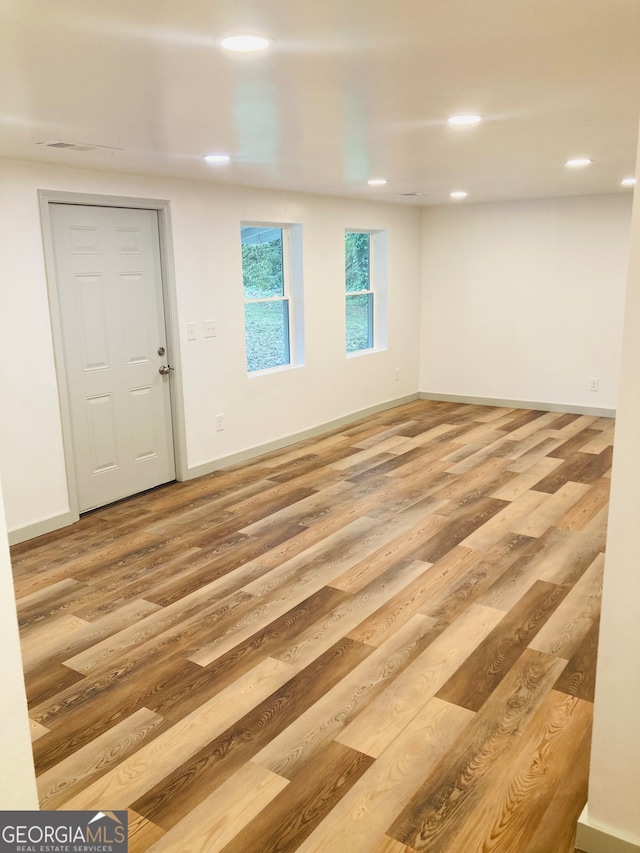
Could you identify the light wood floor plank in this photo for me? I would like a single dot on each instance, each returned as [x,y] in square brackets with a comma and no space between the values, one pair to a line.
[383,791]
[386,716]
[531,773]
[328,717]
[550,509]
[569,625]
[75,773]
[36,730]
[220,816]
[142,833]
[443,802]
[136,774]
[344,618]
[508,520]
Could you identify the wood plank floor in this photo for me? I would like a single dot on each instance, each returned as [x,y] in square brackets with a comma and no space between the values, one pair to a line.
[382,640]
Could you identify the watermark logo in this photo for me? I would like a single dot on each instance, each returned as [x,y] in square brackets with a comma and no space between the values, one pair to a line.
[63,832]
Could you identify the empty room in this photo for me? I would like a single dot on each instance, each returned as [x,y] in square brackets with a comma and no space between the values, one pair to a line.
[315,325]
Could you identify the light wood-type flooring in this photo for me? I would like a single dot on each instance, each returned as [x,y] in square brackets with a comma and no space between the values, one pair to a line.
[381,640]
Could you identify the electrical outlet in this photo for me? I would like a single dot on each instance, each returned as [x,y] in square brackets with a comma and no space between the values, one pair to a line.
[397,374]
[594,385]
[219,423]
[209,327]
[191,331]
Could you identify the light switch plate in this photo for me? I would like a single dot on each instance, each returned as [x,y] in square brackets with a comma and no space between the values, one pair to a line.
[191,331]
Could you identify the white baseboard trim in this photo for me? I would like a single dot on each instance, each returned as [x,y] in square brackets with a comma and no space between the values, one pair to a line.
[31,531]
[278,444]
[42,527]
[520,404]
[596,839]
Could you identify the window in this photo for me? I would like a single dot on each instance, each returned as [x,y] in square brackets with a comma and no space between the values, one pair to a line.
[360,295]
[266,274]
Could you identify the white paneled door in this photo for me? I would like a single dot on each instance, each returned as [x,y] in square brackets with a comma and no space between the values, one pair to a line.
[109,286]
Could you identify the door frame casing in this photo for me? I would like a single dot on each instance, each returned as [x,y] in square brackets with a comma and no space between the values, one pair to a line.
[163,209]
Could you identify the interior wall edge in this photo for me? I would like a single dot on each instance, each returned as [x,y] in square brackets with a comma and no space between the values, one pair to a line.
[18,788]
[39,528]
[594,839]
[520,404]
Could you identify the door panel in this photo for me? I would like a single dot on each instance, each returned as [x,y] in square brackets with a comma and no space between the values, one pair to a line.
[110,294]
[90,309]
[101,434]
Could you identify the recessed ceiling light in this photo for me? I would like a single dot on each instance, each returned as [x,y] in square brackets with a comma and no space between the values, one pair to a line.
[628,182]
[576,162]
[217,158]
[377,182]
[459,194]
[245,44]
[470,119]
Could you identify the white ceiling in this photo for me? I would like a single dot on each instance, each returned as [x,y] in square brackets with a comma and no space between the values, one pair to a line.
[350,90]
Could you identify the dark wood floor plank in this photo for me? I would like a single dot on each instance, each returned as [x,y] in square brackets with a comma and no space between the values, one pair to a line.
[362,816]
[299,808]
[580,468]
[556,829]
[576,442]
[169,801]
[521,419]
[77,771]
[579,677]
[485,668]
[530,773]
[86,710]
[47,680]
[385,718]
[460,526]
[438,808]
[196,684]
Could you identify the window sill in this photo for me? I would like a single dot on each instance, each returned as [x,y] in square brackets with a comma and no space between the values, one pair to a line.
[368,351]
[283,368]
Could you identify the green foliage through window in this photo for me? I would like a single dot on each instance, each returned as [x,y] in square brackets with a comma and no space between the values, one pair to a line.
[357,268]
[359,295]
[359,322]
[262,267]
[266,310]
[266,326]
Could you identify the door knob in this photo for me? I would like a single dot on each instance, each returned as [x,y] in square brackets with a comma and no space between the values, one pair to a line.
[165,369]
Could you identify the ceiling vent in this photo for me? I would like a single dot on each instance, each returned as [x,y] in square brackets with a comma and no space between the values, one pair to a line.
[80,146]
[57,144]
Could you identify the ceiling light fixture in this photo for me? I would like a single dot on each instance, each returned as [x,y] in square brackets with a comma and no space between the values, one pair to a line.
[459,194]
[628,182]
[577,162]
[467,119]
[219,159]
[377,182]
[245,44]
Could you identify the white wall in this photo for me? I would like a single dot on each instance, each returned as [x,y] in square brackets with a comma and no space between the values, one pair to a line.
[614,783]
[524,300]
[257,409]
[17,780]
